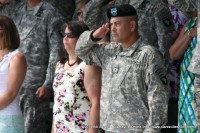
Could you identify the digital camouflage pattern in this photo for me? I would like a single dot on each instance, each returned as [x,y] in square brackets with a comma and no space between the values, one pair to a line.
[41,43]
[65,7]
[95,13]
[7,9]
[134,96]
[185,5]
[155,24]
[155,20]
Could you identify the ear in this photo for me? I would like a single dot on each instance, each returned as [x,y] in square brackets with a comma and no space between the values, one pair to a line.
[132,26]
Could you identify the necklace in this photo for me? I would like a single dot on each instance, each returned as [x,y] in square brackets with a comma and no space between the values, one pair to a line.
[72,63]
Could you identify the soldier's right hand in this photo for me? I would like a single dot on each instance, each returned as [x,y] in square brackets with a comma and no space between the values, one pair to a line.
[102,31]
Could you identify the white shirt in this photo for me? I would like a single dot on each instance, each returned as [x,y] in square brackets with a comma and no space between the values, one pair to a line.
[13,108]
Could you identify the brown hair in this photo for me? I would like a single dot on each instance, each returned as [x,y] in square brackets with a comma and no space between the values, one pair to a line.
[77,28]
[9,33]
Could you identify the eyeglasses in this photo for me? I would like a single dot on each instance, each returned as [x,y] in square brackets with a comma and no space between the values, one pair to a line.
[69,35]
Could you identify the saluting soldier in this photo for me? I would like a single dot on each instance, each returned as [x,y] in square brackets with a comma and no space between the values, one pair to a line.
[7,7]
[134,95]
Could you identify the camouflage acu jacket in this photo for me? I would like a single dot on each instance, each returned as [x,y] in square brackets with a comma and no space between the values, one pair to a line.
[40,42]
[134,97]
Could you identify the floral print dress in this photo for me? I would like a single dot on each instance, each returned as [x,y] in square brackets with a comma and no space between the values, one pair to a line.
[71,104]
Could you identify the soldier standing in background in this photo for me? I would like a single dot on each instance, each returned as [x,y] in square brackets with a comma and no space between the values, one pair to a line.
[38,23]
[94,14]
[65,7]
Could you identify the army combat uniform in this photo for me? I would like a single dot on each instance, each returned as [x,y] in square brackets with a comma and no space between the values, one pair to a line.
[65,7]
[134,97]
[41,44]
[7,9]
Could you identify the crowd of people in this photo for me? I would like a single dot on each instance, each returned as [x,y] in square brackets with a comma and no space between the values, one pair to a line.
[108,66]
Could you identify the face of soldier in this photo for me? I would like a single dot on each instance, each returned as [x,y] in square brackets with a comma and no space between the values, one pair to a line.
[121,29]
[5,1]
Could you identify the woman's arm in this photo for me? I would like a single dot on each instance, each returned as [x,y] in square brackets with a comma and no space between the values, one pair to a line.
[92,81]
[181,44]
[52,128]
[16,74]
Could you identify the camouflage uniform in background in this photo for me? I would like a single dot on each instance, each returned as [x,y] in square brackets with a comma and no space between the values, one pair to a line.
[155,20]
[95,13]
[65,7]
[134,94]
[155,24]
[185,5]
[41,44]
[7,9]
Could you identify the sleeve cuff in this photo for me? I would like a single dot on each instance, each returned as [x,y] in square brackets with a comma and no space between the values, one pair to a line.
[94,39]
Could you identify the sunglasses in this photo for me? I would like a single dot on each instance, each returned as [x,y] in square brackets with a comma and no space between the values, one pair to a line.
[69,35]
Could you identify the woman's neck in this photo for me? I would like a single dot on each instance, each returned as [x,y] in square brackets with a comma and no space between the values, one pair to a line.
[72,58]
[72,61]
[3,52]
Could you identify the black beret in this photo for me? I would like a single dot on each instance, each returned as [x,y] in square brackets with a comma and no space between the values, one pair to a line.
[121,11]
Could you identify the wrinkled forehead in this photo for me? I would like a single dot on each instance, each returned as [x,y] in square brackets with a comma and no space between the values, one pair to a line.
[119,19]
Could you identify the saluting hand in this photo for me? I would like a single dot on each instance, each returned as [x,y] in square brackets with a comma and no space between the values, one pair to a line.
[102,31]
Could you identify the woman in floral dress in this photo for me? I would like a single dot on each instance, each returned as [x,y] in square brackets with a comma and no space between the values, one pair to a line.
[72,106]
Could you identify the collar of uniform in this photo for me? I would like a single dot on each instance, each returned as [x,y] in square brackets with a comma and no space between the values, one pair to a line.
[36,8]
[129,51]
